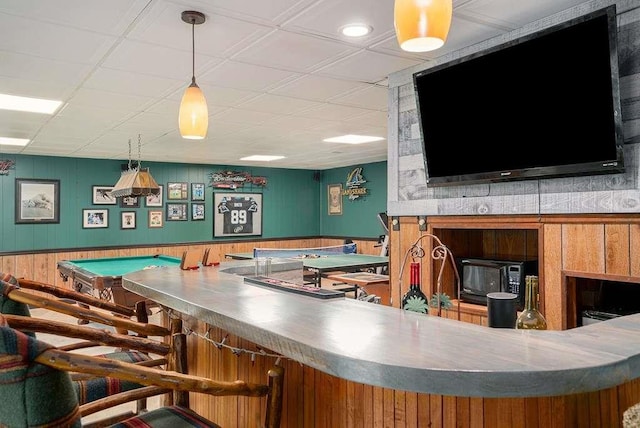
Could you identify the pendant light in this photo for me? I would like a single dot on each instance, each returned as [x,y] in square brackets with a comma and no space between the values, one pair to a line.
[135,181]
[193,119]
[422,25]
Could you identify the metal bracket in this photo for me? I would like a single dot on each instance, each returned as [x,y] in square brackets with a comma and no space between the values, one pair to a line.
[422,222]
[395,224]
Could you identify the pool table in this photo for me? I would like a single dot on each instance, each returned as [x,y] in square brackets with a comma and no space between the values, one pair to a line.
[105,274]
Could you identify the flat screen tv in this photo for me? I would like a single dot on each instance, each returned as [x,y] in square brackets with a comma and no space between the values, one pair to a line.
[544,105]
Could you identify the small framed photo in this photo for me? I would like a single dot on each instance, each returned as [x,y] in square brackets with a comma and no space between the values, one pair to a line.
[176,212]
[37,201]
[154,200]
[129,202]
[197,191]
[95,219]
[334,192]
[128,220]
[101,195]
[177,191]
[155,218]
[197,211]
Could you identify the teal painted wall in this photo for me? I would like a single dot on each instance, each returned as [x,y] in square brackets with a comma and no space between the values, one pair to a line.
[294,204]
[359,217]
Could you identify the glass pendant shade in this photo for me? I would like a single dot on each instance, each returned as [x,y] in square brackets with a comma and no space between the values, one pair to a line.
[422,25]
[193,118]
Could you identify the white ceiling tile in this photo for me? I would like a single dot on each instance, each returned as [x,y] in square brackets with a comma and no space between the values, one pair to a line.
[42,70]
[283,105]
[249,77]
[243,116]
[125,82]
[370,97]
[319,88]
[367,66]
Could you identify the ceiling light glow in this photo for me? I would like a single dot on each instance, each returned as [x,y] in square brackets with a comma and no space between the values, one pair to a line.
[352,139]
[356,30]
[261,158]
[31,105]
[6,141]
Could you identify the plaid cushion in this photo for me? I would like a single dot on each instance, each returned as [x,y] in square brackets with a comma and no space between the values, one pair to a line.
[167,417]
[96,388]
[32,394]
[8,306]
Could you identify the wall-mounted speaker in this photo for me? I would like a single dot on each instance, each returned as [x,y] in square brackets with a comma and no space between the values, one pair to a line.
[317,175]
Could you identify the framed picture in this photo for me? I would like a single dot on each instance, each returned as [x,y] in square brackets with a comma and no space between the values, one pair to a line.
[237,214]
[101,195]
[128,220]
[176,212]
[177,191]
[334,192]
[154,200]
[197,211]
[37,201]
[155,218]
[129,202]
[197,191]
[95,219]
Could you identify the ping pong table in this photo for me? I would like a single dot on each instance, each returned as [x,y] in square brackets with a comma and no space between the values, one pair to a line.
[324,265]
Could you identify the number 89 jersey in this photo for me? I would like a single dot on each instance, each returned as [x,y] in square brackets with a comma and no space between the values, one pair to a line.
[237,214]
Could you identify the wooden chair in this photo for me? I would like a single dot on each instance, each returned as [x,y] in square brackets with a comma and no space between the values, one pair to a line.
[17,296]
[36,389]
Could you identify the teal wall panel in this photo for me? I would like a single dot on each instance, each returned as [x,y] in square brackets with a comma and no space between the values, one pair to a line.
[359,216]
[294,204]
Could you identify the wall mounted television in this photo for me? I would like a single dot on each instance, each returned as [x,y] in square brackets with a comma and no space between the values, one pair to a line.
[544,105]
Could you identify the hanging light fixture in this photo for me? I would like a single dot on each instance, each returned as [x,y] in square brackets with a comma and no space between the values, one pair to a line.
[136,181]
[194,115]
[422,25]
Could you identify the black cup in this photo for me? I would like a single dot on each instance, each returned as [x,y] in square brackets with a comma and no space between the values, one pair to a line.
[501,310]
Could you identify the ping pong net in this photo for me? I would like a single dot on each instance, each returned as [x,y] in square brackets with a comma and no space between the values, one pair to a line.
[301,253]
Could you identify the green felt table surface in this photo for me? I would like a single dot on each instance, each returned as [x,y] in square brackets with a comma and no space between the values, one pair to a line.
[118,266]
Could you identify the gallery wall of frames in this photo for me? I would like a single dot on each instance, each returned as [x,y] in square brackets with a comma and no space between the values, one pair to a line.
[64,203]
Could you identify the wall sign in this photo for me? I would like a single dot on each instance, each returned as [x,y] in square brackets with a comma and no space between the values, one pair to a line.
[354,185]
[234,179]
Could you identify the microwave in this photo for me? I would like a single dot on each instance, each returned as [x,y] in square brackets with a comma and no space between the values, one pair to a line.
[480,277]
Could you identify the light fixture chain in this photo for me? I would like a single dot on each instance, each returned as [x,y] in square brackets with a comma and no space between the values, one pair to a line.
[129,167]
[139,157]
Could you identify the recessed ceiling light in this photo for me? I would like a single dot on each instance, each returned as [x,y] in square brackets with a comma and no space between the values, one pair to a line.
[263,158]
[32,105]
[6,141]
[356,30]
[353,139]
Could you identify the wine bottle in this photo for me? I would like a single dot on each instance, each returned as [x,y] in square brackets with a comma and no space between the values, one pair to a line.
[531,318]
[414,299]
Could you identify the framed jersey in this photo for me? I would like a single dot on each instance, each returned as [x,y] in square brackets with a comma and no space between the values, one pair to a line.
[237,214]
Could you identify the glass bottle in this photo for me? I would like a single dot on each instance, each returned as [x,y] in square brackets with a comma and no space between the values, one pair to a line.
[414,299]
[531,318]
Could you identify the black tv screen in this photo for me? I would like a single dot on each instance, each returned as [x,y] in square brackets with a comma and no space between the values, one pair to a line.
[545,105]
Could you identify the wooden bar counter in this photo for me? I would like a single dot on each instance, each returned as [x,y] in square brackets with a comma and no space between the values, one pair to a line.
[404,351]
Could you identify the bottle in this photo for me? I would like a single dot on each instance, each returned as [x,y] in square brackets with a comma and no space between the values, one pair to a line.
[531,318]
[414,299]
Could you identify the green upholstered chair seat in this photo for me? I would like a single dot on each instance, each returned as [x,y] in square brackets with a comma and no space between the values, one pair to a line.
[95,388]
[167,417]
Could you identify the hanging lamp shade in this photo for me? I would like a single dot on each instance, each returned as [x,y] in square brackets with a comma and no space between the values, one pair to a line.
[193,119]
[422,25]
[135,180]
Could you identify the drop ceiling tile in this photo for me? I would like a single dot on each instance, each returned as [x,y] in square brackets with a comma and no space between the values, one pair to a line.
[319,88]
[125,82]
[41,70]
[124,102]
[242,116]
[292,51]
[367,66]
[56,42]
[277,103]
[272,11]
[372,97]
[237,75]
[32,88]
[515,14]
[333,112]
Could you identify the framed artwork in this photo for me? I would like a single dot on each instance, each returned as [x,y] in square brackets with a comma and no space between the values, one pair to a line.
[177,191]
[95,219]
[237,214]
[128,220]
[197,211]
[155,218]
[197,191]
[334,194]
[176,212]
[37,201]
[154,200]
[101,195]
[129,202]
